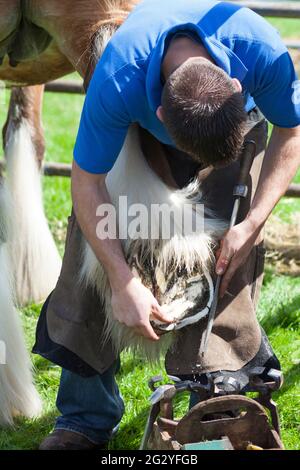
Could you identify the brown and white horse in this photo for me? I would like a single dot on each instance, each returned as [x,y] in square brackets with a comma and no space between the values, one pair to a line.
[164,240]
[41,40]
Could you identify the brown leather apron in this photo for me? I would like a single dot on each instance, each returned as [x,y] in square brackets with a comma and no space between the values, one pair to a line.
[75,318]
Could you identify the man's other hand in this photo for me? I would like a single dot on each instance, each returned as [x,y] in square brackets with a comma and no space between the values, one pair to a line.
[132,306]
[235,249]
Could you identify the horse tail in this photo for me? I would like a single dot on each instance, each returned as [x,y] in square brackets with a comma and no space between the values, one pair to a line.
[114,14]
[17,392]
[116,11]
[33,254]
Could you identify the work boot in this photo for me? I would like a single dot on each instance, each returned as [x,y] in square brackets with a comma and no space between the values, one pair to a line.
[61,439]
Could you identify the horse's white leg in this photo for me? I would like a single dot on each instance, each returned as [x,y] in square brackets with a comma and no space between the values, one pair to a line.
[193,251]
[35,260]
[17,392]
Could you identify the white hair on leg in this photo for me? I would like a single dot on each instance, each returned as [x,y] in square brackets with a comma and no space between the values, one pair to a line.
[188,252]
[102,38]
[17,392]
[34,257]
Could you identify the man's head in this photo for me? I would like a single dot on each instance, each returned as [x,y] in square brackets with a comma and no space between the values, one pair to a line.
[203,111]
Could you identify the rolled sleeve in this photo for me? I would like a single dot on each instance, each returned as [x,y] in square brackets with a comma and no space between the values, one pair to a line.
[103,127]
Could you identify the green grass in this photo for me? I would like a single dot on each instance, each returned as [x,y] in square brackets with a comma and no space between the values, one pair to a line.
[279,314]
[288,28]
[287,207]
[279,311]
[279,308]
[60,141]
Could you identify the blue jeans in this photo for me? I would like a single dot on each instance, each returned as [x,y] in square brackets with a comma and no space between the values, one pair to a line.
[90,406]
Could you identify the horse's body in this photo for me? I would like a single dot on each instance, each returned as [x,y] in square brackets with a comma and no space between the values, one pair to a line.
[41,41]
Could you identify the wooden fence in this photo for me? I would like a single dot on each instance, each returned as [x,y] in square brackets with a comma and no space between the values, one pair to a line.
[274,9]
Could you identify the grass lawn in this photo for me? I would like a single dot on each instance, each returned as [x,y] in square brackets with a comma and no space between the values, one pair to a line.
[279,308]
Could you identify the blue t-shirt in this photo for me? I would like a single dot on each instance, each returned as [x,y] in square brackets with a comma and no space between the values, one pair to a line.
[126,86]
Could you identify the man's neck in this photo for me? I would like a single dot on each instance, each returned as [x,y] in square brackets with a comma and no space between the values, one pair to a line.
[180,50]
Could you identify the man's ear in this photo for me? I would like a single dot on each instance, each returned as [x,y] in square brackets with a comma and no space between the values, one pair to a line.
[237,85]
[160,113]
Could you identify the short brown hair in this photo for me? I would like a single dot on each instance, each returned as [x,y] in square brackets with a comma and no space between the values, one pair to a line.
[203,112]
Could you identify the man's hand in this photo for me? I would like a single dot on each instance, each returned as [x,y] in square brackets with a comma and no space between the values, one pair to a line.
[132,306]
[132,303]
[235,249]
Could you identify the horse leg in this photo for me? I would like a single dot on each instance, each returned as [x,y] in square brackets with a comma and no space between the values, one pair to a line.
[33,254]
[18,394]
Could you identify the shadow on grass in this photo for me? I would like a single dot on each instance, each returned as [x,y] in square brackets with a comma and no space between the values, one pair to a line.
[269,274]
[129,364]
[43,365]
[130,435]
[27,434]
[133,363]
[285,315]
[291,377]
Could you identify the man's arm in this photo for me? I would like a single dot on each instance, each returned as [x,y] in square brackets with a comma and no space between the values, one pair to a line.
[132,303]
[280,165]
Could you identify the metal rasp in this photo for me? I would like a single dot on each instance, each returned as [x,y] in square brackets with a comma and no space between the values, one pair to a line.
[240,191]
